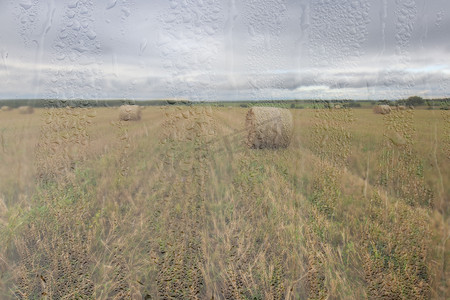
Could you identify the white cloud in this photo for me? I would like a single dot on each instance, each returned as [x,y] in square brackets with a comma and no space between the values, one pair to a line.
[210,52]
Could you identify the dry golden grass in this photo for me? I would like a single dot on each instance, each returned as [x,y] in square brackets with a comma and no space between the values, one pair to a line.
[176,206]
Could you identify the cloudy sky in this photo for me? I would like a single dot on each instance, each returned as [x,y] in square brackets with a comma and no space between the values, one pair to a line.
[224,49]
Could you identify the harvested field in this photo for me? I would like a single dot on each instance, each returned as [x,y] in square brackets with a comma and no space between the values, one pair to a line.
[178,206]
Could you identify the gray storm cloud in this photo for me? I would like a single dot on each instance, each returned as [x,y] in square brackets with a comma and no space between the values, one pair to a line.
[224,50]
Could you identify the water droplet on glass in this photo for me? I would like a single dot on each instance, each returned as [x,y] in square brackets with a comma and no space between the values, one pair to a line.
[91,34]
[173,4]
[84,10]
[27,4]
[63,34]
[76,25]
[24,19]
[73,4]
[62,56]
[70,14]
[110,4]
[126,11]
[81,47]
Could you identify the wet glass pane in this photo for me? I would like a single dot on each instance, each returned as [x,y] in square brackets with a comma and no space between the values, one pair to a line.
[223,149]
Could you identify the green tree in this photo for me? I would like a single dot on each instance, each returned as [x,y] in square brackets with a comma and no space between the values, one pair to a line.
[384,102]
[415,101]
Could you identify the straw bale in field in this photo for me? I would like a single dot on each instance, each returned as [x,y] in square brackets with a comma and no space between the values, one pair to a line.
[268,127]
[6,108]
[337,106]
[401,107]
[382,109]
[130,113]
[26,110]
[397,139]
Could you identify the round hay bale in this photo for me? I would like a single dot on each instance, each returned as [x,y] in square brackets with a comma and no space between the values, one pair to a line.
[6,108]
[382,109]
[269,127]
[337,106]
[130,113]
[26,110]
[397,139]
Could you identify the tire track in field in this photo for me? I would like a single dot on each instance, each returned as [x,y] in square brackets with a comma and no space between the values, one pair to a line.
[313,253]
[184,171]
[255,252]
[309,260]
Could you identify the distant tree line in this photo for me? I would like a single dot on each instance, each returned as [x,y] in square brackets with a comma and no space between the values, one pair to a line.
[443,103]
[440,103]
[47,103]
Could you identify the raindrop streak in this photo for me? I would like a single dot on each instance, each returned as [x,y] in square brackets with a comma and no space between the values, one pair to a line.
[383,21]
[406,14]
[188,46]
[76,73]
[265,21]
[142,46]
[41,44]
[114,65]
[301,44]
[439,18]
[229,47]
[4,55]
[383,17]
[423,23]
